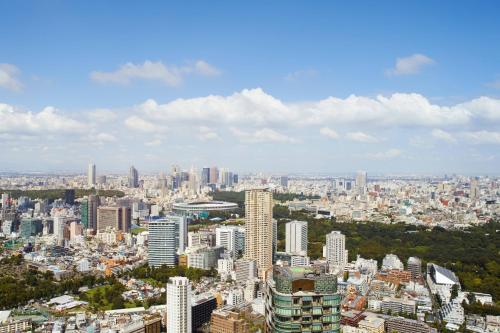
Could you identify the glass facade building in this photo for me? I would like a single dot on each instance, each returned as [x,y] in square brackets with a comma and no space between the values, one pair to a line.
[302,299]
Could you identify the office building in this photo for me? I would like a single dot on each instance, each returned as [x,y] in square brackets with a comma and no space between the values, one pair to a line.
[205,176]
[336,254]
[214,175]
[91,175]
[60,224]
[259,229]
[226,178]
[179,305]
[30,227]
[415,267]
[232,238]
[202,307]
[301,299]
[162,248]
[117,218]
[167,239]
[474,189]
[205,257]
[201,238]
[244,270]
[69,197]
[227,321]
[284,182]
[181,231]
[133,178]
[88,211]
[296,238]
[361,182]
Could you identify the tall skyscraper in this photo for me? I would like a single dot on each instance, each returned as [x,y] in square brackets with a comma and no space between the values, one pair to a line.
[133,178]
[91,175]
[336,254]
[361,182]
[214,175]
[168,237]
[259,229]
[226,177]
[179,305]
[205,176]
[302,299]
[69,196]
[296,238]
[284,181]
[117,218]
[88,211]
[162,243]
[474,188]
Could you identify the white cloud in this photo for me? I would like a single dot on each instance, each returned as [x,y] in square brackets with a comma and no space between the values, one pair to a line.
[482,137]
[207,133]
[203,68]
[328,132]
[9,77]
[385,155]
[154,71]
[49,120]
[410,65]
[256,108]
[261,136]
[102,115]
[361,137]
[141,125]
[443,136]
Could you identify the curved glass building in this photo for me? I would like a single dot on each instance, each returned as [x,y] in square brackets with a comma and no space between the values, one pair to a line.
[302,299]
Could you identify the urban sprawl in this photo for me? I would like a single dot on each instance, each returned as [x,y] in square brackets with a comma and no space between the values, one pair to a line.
[214,251]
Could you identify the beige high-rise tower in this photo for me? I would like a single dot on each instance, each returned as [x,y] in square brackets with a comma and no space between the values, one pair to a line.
[259,229]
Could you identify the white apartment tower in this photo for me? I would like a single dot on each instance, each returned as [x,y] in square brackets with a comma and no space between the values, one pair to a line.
[361,182]
[296,238]
[336,254]
[259,229]
[179,305]
[474,189]
[91,175]
[162,247]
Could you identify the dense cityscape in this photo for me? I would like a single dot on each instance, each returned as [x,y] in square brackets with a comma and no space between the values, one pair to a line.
[216,251]
[250,166]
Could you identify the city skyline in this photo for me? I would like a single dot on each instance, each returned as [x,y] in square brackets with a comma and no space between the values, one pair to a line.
[341,89]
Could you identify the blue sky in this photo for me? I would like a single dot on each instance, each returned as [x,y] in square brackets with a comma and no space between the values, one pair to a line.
[253,86]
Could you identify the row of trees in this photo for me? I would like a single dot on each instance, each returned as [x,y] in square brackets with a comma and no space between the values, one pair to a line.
[239,197]
[54,194]
[163,274]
